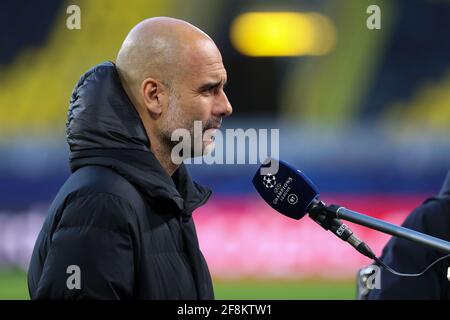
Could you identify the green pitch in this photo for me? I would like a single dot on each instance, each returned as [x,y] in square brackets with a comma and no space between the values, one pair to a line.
[13,285]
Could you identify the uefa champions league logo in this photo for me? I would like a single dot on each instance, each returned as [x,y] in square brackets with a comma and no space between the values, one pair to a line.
[269,181]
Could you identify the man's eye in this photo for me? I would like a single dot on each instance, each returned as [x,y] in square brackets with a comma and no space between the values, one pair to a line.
[210,90]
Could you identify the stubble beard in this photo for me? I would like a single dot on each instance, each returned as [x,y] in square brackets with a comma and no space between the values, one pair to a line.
[176,119]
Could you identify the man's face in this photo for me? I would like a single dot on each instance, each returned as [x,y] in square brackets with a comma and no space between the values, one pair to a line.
[198,95]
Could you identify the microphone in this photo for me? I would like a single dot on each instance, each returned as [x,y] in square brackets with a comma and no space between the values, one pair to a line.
[290,192]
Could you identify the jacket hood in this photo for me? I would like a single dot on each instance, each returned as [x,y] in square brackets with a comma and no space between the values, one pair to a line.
[101,116]
[103,128]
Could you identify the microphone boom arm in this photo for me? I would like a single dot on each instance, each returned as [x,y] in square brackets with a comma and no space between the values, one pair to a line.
[339,212]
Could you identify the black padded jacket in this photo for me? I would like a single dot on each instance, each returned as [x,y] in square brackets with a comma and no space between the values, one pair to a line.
[120,227]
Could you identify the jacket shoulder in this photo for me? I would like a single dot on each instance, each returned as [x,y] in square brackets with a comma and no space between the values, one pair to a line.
[99,193]
[102,180]
[432,217]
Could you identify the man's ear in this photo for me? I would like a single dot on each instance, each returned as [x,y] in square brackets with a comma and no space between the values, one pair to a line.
[153,94]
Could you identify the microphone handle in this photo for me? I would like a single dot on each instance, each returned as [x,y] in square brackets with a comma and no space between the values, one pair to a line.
[342,231]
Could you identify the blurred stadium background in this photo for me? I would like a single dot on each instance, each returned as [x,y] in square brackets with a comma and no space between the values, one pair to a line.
[364,113]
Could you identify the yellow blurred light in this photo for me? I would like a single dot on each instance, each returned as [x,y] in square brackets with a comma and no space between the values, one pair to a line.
[283,34]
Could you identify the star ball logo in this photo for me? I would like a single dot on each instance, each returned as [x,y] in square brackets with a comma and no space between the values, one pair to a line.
[269,181]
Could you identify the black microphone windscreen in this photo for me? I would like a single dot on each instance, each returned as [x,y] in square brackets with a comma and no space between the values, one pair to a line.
[284,188]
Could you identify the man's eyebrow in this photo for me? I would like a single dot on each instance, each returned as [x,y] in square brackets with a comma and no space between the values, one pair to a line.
[212,85]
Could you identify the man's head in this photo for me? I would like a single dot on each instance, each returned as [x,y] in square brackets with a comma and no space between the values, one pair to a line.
[174,75]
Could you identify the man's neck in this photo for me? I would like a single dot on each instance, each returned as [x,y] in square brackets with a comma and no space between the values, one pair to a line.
[163,154]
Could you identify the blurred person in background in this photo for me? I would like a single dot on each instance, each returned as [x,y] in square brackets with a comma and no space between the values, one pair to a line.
[121,226]
[433,218]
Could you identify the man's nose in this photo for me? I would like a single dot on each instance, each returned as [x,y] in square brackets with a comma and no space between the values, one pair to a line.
[224,107]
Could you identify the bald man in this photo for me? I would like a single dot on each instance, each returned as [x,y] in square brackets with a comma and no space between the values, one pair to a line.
[121,226]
